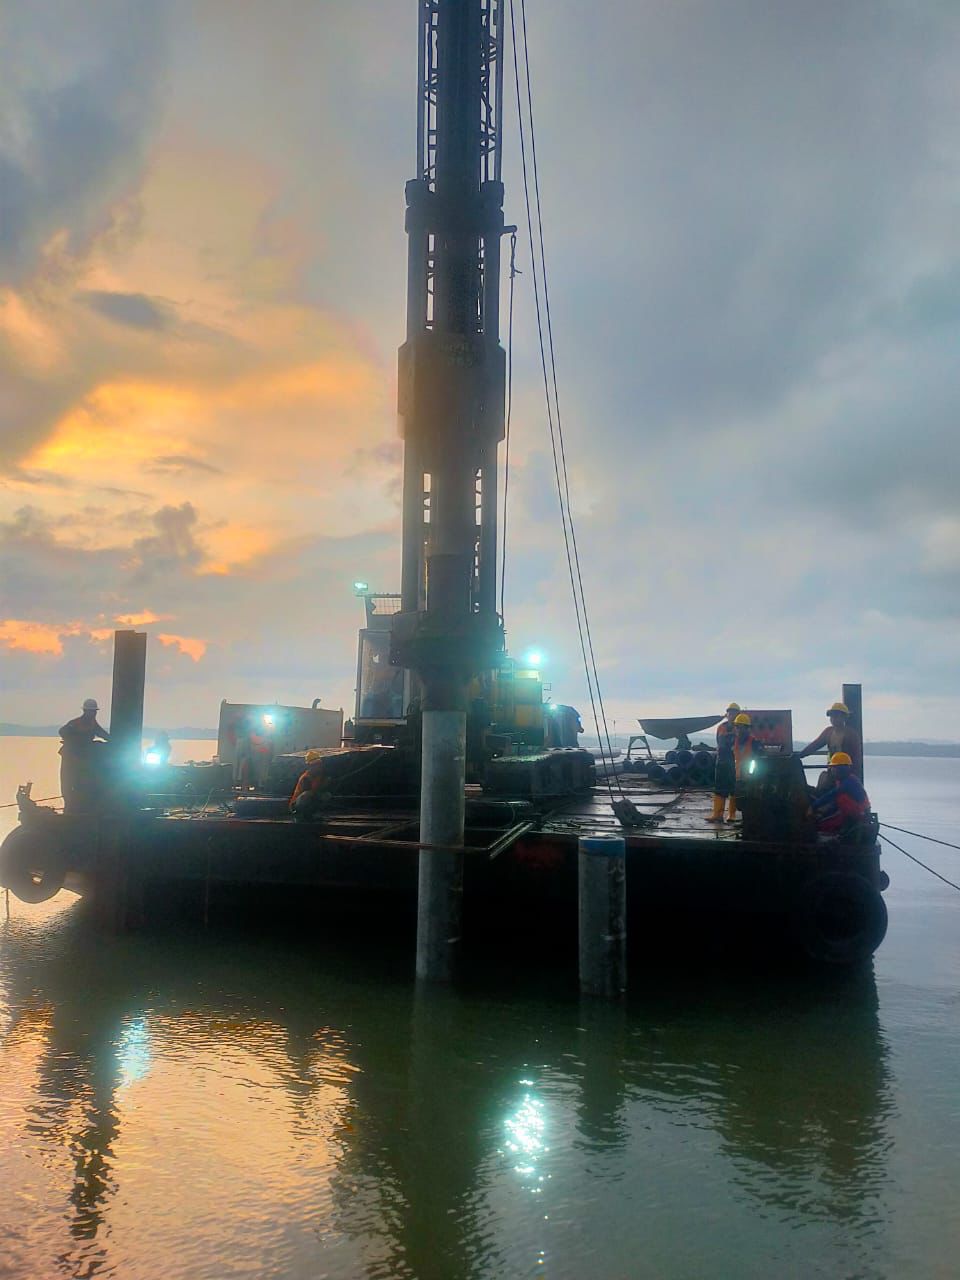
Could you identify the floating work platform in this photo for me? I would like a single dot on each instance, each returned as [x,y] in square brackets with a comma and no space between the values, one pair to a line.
[686,879]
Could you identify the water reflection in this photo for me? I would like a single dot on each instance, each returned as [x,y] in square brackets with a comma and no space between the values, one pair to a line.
[286,1102]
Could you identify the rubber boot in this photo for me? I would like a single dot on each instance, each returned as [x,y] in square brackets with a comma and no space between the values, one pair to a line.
[732,809]
[717,814]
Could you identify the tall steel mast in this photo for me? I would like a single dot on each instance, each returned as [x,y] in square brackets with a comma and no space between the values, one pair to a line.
[451,402]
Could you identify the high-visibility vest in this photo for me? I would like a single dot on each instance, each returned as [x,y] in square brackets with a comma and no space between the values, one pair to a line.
[743,752]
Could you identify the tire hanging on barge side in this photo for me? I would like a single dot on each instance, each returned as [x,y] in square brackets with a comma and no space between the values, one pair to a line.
[840,918]
[32,864]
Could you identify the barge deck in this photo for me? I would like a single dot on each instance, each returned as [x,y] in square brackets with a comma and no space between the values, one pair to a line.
[683,875]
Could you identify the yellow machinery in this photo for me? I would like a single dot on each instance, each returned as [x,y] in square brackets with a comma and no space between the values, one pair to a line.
[506,709]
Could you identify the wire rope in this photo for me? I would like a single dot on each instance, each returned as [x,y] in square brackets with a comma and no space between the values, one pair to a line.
[551,396]
[509,414]
[920,836]
[920,864]
[556,392]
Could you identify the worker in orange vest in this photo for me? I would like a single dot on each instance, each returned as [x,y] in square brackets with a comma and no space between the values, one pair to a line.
[746,748]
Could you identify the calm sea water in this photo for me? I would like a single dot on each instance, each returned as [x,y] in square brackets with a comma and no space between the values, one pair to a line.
[196,1105]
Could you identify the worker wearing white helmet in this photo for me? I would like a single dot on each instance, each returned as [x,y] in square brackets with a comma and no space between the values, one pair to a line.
[78,758]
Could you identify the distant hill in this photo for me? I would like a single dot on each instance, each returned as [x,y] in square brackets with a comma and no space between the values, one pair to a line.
[188,733]
[181,733]
[928,749]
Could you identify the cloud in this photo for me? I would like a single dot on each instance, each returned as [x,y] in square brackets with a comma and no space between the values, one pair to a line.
[175,463]
[41,638]
[78,98]
[193,647]
[141,619]
[753,303]
[173,546]
[134,309]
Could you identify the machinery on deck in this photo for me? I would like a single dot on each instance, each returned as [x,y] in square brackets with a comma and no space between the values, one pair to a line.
[440,704]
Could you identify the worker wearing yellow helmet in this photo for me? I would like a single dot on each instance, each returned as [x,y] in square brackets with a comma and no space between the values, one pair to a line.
[842,804]
[725,775]
[838,736]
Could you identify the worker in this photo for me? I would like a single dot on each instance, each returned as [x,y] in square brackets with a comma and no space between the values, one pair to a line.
[839,735]
[724,776]
[746,749]
[309,791]
[843,804]
[79,763]
[563,726]
[254,751]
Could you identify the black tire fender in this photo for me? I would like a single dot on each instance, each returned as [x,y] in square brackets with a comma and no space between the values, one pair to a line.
[32,864]
[840,918]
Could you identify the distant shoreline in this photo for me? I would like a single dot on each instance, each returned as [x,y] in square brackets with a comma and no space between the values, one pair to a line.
[185,733]
[927,750]
[189,733]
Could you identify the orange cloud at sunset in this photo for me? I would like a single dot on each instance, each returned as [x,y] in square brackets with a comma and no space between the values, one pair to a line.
[141,619]
[45,638]
[191,646]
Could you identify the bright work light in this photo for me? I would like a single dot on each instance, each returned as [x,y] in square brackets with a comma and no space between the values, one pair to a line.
[152,757]
[534,658]
[361,587]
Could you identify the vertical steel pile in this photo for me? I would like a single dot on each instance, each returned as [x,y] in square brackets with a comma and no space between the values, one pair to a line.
[451,403]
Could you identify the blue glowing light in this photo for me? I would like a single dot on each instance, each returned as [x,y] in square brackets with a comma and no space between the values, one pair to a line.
[152,757]
[535,658]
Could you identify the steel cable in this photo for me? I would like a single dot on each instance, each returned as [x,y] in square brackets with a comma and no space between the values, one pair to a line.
[552,406]
[920,836]
[509,414]
[920,864]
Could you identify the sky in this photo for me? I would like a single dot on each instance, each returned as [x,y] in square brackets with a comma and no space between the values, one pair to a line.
[751,220]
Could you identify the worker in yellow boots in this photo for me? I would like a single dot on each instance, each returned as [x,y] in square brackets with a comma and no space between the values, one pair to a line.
[743,747]
[725,774]
[746,748]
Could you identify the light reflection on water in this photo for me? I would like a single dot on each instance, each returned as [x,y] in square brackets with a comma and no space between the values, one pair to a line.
[202,1105]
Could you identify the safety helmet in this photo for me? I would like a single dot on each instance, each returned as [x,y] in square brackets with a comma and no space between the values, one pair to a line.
[838,706]
[733,706]
[90,704]
[840,757]
[743,718]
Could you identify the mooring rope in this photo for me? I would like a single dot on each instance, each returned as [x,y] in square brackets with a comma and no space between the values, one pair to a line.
[920,836]
[43,801]
[921,864]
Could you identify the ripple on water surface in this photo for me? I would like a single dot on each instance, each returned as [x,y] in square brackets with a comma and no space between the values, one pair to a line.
[213,1105]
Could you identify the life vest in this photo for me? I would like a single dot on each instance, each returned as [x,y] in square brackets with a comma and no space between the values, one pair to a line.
[845,804]
[743,751]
